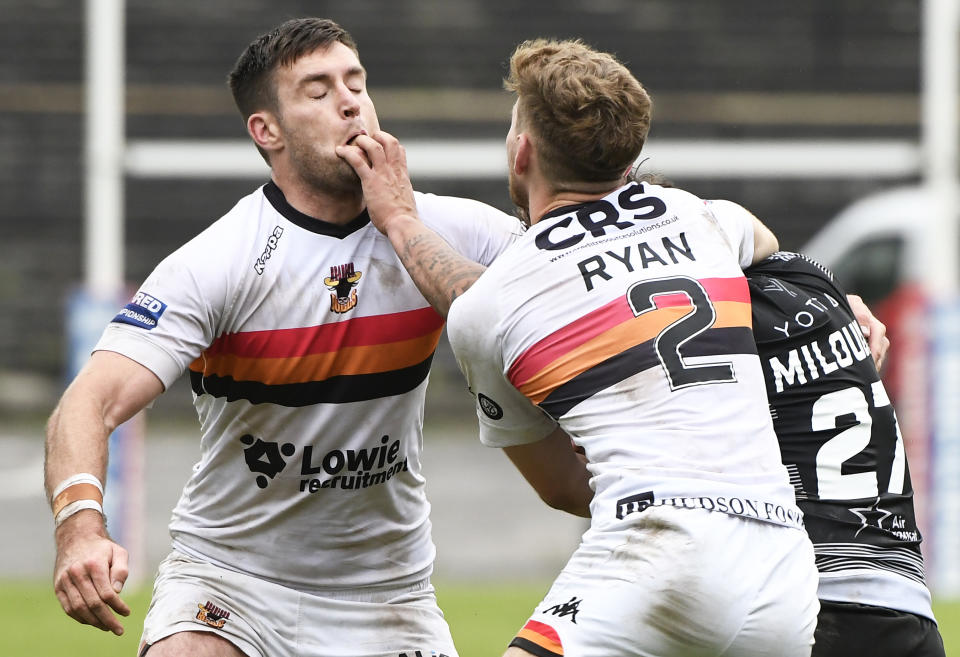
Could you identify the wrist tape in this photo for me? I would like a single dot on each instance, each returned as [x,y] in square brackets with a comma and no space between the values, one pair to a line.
[76,493]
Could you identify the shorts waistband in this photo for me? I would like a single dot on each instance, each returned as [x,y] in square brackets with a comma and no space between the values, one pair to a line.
[762,510]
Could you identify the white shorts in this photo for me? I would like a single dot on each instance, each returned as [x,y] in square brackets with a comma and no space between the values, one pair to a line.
[264,619]
[683,582]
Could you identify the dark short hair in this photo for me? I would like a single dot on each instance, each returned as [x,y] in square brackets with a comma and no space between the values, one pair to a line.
[251,80]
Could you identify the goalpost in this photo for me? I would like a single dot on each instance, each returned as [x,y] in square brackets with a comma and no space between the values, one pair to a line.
[109,158]
[93,305]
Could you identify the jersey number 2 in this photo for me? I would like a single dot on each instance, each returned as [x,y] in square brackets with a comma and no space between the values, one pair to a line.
[668,344]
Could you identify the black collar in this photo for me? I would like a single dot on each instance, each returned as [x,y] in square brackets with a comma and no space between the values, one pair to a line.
[279,202]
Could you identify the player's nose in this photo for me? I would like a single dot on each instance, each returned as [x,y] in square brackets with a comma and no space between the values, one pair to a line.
[349,103]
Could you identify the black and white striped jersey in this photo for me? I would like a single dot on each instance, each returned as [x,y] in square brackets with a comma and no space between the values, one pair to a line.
[838,436]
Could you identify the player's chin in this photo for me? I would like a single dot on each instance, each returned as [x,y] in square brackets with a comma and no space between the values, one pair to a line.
[346,175]
[351,180]
[340,179]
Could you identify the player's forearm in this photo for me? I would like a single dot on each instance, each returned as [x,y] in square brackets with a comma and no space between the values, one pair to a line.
[108,391]
[556,471]
[76,441]
[439,272]
[577,502]
[76,447]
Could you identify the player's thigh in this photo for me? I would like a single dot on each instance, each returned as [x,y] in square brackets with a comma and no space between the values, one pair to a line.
[195,644]
[680,582]
[204,602]
[854,630]
[513,651]
[406,621]
[659,584]
[782,613]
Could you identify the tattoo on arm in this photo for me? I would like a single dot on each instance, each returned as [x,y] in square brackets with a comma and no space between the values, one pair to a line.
[440,273]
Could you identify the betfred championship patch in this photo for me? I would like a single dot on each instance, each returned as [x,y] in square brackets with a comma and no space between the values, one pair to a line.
[143,311]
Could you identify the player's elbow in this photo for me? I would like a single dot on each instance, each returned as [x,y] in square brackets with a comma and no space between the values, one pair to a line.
[765,243]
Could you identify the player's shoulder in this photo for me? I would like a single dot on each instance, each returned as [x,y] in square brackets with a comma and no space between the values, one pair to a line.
[725,208]
[460,219]
[786,284]
[792,266]
[474,315]
[689,206]
[439,208]
[671,196]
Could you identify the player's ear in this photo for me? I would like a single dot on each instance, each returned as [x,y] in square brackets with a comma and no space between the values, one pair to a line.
[265,131]
[522,155]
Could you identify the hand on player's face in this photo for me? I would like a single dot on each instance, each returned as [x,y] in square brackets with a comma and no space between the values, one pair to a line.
[381,163]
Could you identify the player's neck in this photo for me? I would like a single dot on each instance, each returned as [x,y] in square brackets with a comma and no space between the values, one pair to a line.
[337,209]
[545,199]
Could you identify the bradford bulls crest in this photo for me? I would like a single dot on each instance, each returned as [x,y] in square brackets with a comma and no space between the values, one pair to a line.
[212,615]
[342,280]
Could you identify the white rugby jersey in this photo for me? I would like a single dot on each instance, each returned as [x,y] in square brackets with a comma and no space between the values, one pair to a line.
[308,348]
[627,321]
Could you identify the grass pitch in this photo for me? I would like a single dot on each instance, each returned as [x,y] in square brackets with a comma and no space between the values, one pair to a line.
[484,617]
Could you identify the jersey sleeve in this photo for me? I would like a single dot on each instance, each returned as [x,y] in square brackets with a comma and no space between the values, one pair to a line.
[173,316]
[737,225]
[476,230]
[506,417]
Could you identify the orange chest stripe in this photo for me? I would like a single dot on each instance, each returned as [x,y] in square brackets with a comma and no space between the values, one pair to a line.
[628,334]
[318,367]
[617,311]
[609,343]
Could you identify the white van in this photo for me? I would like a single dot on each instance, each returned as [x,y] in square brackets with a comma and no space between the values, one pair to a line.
[875,246]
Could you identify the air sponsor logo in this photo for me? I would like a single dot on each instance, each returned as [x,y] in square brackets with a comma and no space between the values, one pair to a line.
[735,506]
[143,311]
[212,615]
[873,516]
[260,264]
[422,653]
[870,516]
[342,280]
[346,469]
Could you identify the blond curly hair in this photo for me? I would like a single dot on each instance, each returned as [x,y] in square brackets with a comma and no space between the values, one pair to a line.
[589,115]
